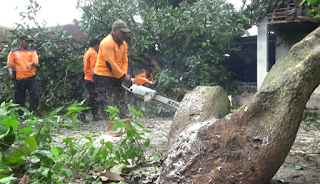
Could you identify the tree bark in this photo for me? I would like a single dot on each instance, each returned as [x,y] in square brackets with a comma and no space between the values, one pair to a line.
[251,144]
[183,90]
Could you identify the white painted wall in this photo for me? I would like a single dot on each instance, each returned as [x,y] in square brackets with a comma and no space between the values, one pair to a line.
[283,46]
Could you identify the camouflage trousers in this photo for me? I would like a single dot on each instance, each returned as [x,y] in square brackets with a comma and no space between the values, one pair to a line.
[110,93]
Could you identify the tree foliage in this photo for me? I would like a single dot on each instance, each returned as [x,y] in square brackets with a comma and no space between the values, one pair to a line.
[183,40]
[314,5]
[60,60]
[33,150]
[184,43]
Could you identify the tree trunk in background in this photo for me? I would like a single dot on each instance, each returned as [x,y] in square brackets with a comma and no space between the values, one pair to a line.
[251,144]
[183,91]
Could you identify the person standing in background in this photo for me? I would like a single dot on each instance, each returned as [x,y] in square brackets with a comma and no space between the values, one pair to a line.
[89,62]
[21,64]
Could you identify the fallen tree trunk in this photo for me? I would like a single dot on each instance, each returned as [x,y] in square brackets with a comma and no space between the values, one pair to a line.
[251,144]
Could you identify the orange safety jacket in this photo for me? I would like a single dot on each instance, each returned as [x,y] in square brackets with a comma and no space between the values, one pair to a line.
[112,58]
[19,60]
[89,62]
[144,75]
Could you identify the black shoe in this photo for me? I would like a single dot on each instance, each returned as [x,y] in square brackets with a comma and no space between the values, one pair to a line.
[37,114]
[82,118]
[96,118]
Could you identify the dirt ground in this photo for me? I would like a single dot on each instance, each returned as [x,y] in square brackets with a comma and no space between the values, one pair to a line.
[302,165]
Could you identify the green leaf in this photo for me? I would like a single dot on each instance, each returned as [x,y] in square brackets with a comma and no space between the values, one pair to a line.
[109,145]
[147,143]
[72,108]
[43,155]
[117,168]
[73,152]
[45,171]
[116,125]
[7,180]
[123,142]
[10,122]
[299,167]
[129,132]
[280,180]
[25,151]
[63,156]
[313,1]
[104,154]
[69,112]
[68,140]
[302,2]
[3,112]
[140,124]
[54,112]
[113,110]
[74,116]
[31,141]
[96,150]
[4,169]
[14,160]
[25,131]
[8,139]
[89,138]
[68,172]
[55,151]
[3,131]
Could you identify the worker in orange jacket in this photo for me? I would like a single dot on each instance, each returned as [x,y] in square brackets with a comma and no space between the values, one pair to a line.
[111,70]
[21,64]
[147,74]
[89,62]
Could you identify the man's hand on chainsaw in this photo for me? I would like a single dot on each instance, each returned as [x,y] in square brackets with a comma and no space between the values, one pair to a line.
[126,79]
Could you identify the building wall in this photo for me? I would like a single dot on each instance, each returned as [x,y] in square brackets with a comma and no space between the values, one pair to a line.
[284,43]
[283,46]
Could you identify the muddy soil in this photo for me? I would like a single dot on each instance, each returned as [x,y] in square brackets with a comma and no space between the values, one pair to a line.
[302,164]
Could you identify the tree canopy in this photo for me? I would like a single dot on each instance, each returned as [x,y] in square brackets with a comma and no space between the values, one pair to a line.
[184,41]
[60,71]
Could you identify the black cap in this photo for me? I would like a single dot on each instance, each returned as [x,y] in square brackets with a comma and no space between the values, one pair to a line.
[26,37]
[149,69]
[93,42]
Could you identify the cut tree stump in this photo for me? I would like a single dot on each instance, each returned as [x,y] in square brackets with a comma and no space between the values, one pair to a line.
[202,103]
[251,144]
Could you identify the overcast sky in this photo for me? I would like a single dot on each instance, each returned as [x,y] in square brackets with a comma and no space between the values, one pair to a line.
[54,12]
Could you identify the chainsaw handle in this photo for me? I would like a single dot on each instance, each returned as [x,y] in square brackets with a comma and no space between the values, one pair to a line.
[125,87]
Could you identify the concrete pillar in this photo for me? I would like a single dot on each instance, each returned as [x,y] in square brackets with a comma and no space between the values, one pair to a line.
[262,53]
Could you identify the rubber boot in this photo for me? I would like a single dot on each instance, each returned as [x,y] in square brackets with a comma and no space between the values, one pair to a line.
[82,118]
[95,115]
[96,118]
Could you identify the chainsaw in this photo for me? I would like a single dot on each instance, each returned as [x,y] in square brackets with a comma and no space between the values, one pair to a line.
[148,94]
